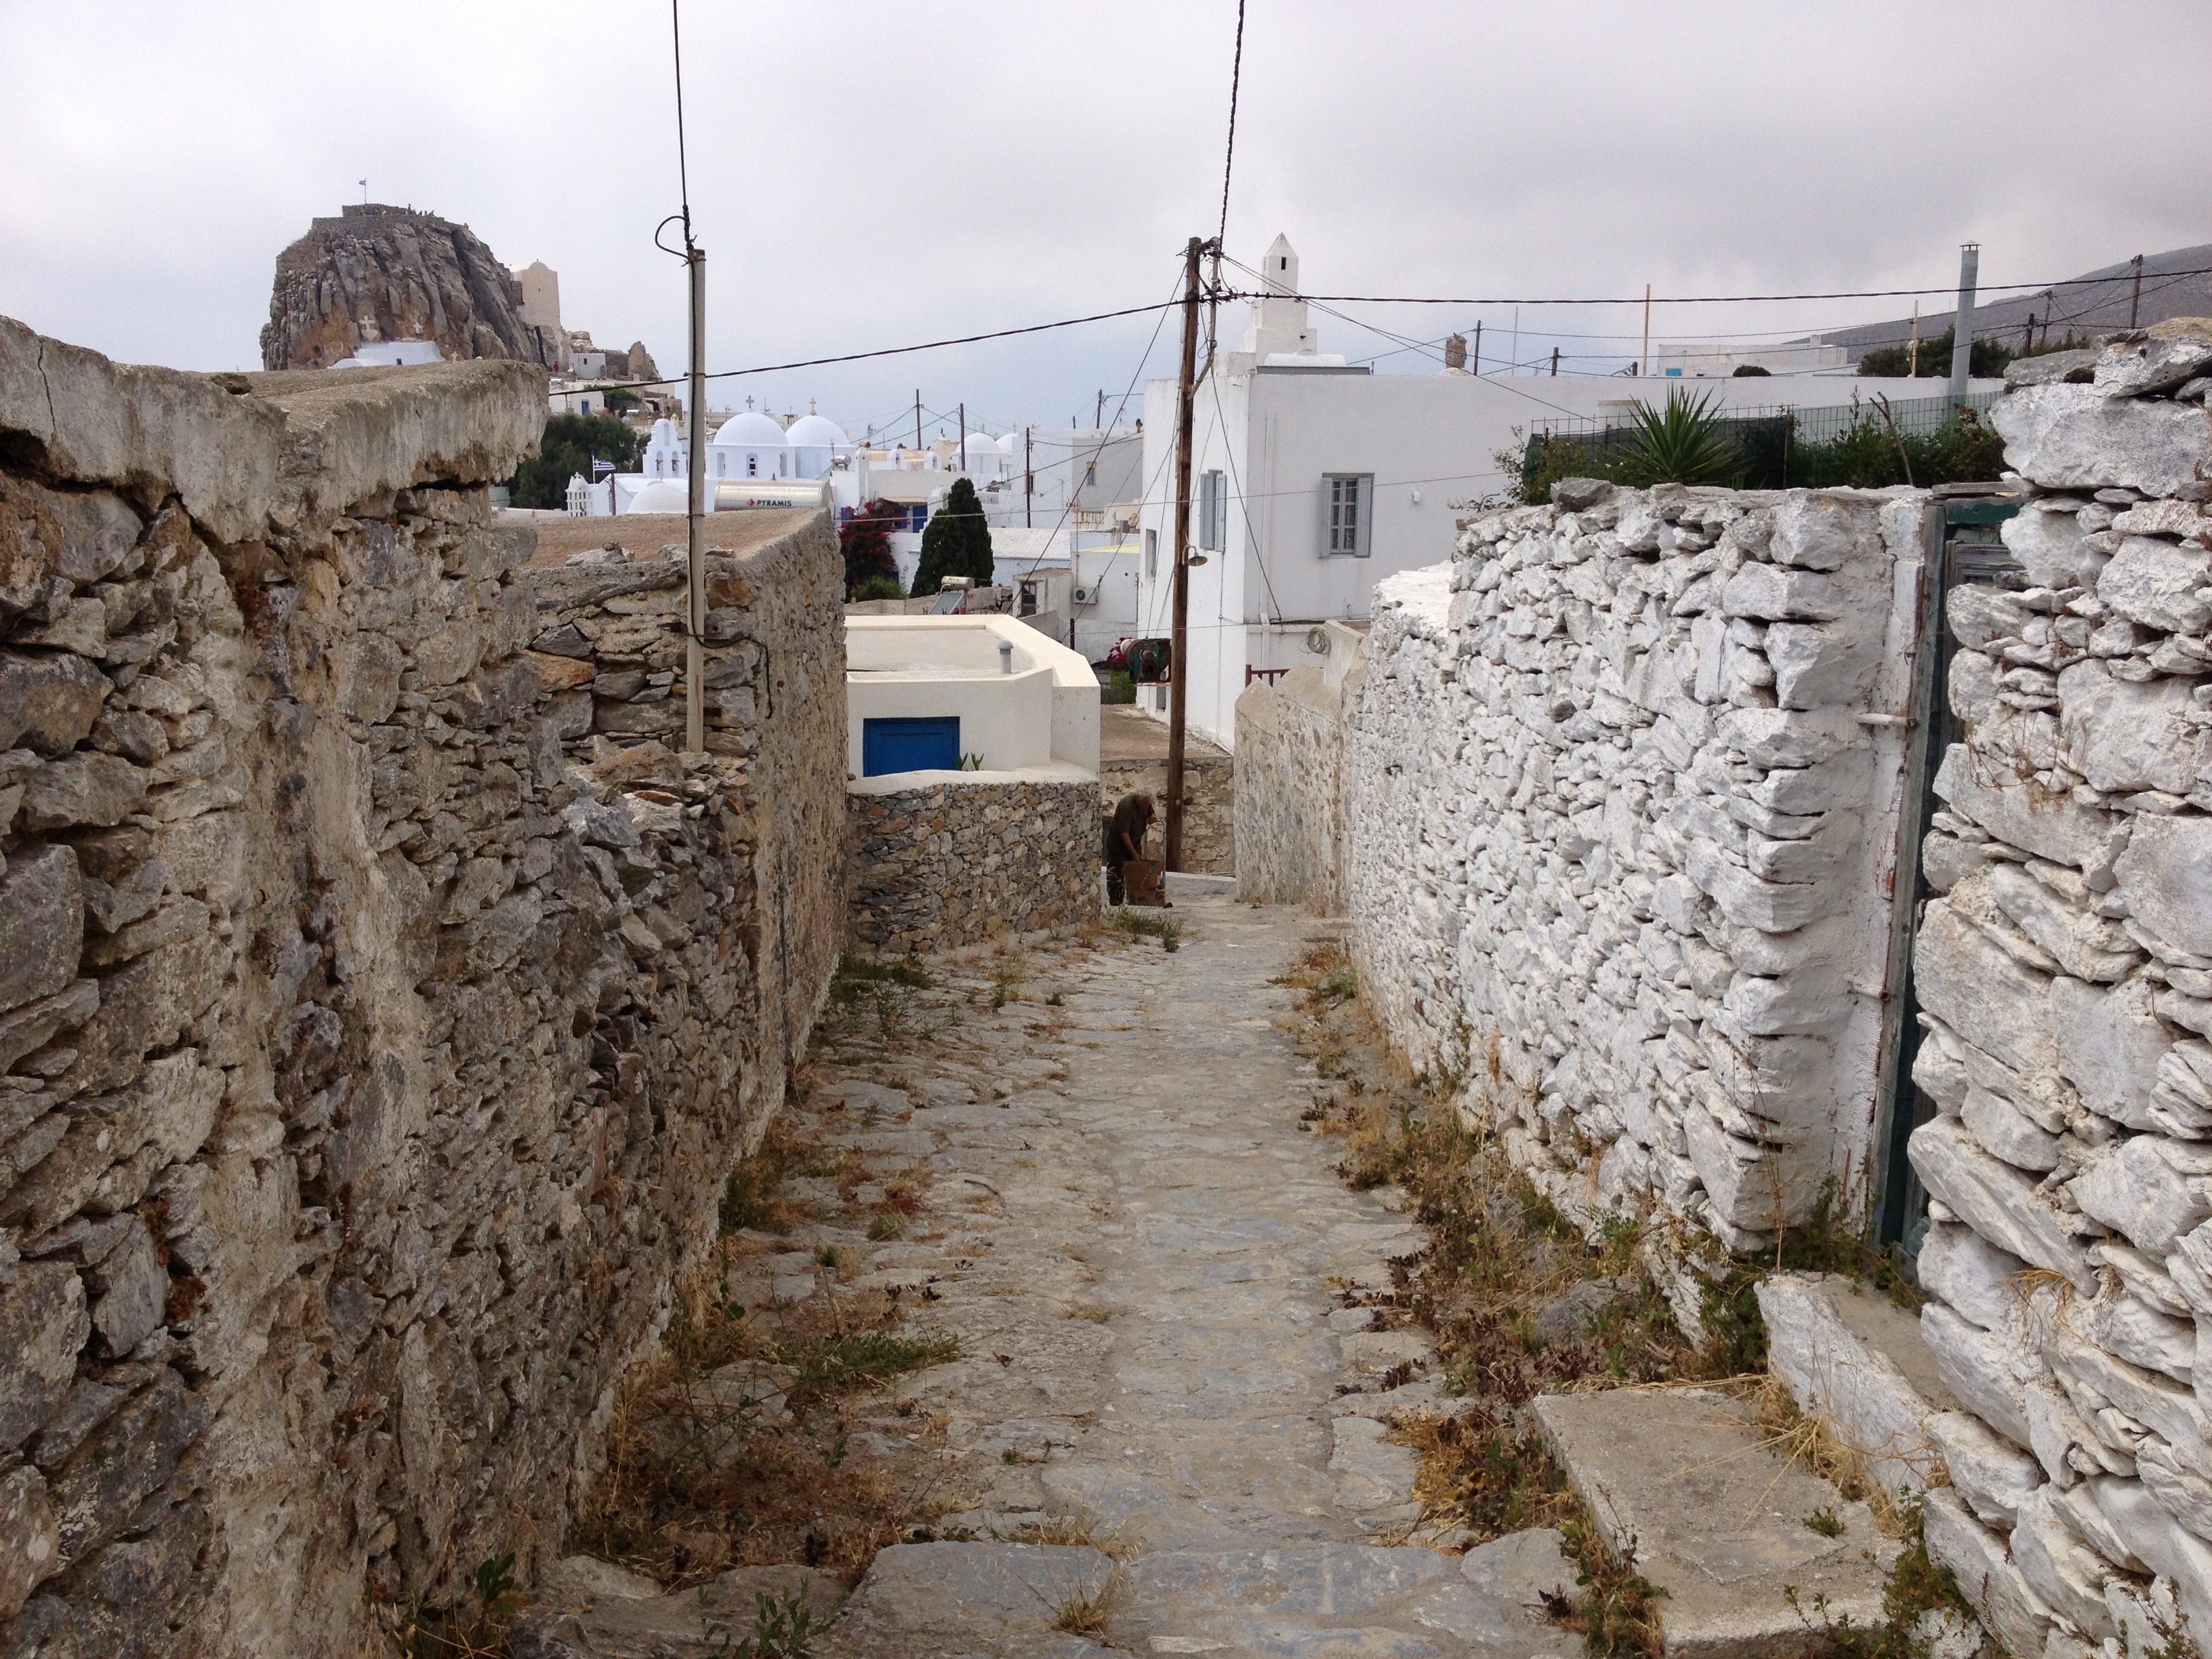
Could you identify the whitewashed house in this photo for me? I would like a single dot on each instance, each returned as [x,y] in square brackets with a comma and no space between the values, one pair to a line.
[1313,478]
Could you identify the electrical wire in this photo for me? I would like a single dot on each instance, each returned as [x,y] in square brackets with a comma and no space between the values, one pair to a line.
[1068,503]
[1720,299]
[1229,158]
[893,351]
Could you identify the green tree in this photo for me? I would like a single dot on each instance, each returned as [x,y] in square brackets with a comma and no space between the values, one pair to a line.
[865,539]
[568,448]
[1988,359]
[956,542]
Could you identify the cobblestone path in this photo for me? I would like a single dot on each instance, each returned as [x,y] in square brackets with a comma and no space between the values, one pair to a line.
[1161,1286]
[1165,1429]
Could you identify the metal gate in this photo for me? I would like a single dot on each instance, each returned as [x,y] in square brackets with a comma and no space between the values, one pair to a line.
[1964,550]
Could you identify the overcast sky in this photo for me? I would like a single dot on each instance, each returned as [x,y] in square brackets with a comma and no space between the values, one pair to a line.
[871,175]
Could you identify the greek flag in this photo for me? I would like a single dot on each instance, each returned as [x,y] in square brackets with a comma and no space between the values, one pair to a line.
[600,466]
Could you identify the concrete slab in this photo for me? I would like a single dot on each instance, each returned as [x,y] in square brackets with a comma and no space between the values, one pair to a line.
[1684,1490]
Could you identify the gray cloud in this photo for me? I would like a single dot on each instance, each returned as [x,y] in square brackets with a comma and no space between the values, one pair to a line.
[865,176]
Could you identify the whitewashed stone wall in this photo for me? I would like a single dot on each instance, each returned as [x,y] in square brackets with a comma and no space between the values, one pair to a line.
[1621,802]
[2066,976]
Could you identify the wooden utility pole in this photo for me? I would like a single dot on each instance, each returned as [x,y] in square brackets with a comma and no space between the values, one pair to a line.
[1185,390]
[1474,361]
[917,417]
[1643,363]
[963,435]
[694,655]
[2135,298]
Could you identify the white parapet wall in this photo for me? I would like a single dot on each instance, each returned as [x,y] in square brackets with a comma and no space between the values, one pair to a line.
[1621,794]
[1034,706]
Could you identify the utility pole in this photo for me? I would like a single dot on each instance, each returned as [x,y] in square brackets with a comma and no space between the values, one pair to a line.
[1912,358]
[1962,334]
[2028,339]
[1029,481]
[964,436]
[917,419]
[694,655]
[1643,363]
[2134,299]
[1476,360]
[1178,678]
[1098,421]
[1555,362]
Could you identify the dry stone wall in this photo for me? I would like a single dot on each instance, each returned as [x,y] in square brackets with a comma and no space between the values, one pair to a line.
[1291,846]
[1620,792]
[2064,974]
[962,858]
[371,1062]
[1209,837]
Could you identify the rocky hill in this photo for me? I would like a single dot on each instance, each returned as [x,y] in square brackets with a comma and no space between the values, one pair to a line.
[412,275]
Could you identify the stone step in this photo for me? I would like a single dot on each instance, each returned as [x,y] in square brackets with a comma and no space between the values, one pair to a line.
[1000,1601]
[1687,1492]
[585,1608]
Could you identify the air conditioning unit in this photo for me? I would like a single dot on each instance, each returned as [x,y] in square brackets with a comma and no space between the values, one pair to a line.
[1087,596]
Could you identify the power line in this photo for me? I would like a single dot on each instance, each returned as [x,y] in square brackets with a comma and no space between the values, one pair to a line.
[1229,159]
[895,351]
[1068,499]
[1712,299]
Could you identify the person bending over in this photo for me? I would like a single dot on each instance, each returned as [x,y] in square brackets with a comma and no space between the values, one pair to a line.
[1125,840]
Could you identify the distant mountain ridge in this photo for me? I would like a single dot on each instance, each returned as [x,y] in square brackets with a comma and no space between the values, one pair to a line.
[406,275]
[2093,303]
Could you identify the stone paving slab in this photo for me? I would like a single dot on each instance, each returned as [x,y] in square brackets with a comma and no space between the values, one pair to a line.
[1685,1489]
[1149,1265]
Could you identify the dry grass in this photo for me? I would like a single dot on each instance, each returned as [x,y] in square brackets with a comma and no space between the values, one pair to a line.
[1500,1254]
[704,1473]
[1090,1310]
[1087,1609]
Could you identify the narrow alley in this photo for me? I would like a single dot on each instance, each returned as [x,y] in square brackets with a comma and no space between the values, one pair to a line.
[1164,1428]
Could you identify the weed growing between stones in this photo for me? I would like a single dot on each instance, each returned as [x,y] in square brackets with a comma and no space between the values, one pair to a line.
[1916,1589]
[784,1627]
[730,1448]
[1519,1303]
[479,1634]
[1140,924]
[1087,1608]
[1827,1243]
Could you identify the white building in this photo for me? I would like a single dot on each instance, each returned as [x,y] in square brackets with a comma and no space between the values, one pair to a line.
[1322,478]
[984,693]
[1075,474]
[1716,359]
[374,351]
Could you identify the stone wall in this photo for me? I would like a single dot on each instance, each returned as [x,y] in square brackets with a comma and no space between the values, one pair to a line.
[1292,841]
[1621,792]
[1209,832]
[370,1065]
[965,857]
[2064,974]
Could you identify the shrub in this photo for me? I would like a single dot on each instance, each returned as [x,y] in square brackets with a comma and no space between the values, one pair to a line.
[1683,443]
[865,540]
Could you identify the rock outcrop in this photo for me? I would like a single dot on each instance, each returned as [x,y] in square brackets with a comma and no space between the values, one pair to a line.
[410,275]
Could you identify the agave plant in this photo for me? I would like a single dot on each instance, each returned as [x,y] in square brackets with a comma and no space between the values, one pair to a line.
[1682,443]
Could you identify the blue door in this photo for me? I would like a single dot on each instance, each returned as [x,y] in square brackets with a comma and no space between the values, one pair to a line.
[910,745]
